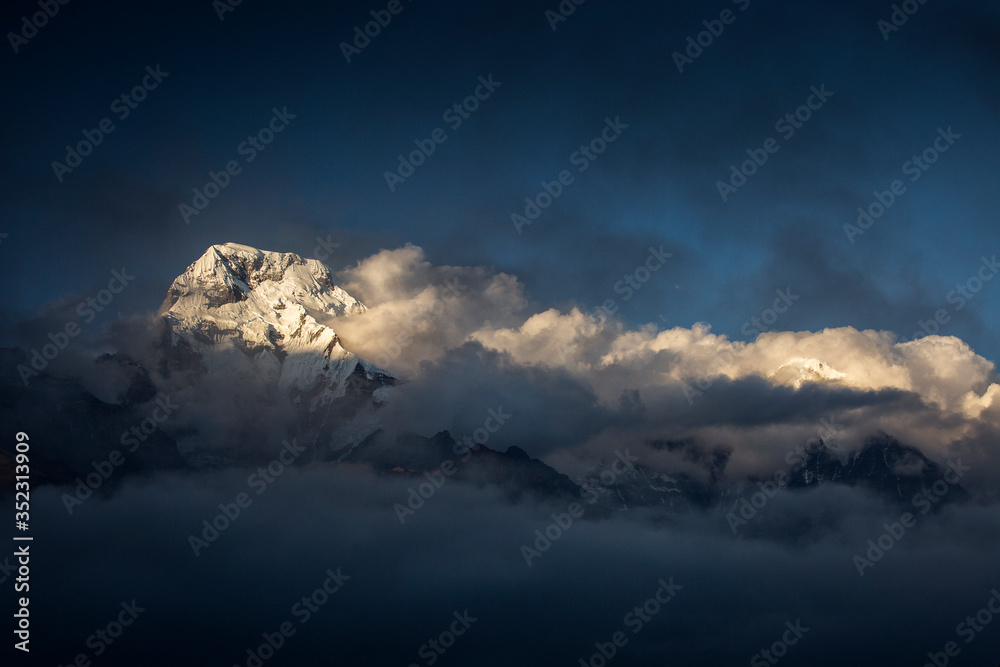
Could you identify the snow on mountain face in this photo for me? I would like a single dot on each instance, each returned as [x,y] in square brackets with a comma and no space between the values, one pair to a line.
[265,318]
[799,370]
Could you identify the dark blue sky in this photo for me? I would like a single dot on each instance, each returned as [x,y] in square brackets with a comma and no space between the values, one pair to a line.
[656,184]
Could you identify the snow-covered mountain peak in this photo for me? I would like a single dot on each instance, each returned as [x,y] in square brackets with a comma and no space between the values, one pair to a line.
[265,317]
[231,272]
[799,370]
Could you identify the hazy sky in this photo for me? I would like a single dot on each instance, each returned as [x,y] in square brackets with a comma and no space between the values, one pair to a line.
[654,185]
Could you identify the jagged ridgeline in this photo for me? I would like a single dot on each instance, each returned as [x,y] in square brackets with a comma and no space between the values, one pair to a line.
[263,324]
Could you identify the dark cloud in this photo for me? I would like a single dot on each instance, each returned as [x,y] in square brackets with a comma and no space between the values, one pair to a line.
[462,551]
[549,408]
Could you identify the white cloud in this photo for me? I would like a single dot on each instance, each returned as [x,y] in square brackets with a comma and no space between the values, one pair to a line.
[414,319]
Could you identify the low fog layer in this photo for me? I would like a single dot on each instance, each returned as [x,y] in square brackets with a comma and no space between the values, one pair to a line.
[463,550]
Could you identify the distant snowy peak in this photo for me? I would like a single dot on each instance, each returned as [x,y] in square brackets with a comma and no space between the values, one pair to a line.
[799,370]
[231,273]
[266,317]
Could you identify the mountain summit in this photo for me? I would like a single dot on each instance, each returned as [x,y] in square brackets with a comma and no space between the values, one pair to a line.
[265,319]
